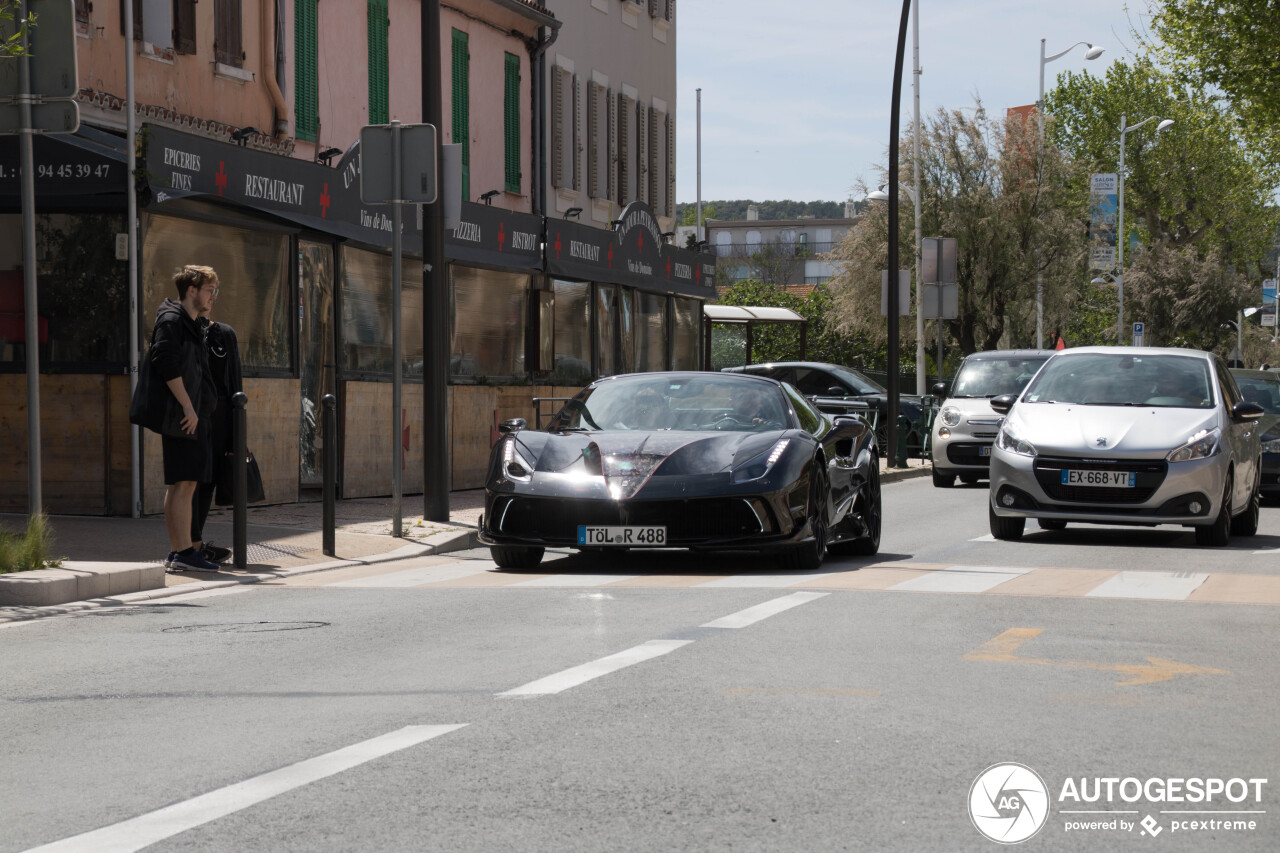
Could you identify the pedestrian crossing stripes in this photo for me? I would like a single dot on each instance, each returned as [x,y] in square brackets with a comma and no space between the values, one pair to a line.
[450,573]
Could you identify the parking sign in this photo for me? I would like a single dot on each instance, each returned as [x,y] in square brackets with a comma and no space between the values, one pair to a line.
[1139,332]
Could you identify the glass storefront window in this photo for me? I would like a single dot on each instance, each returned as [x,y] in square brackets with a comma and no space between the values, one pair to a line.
[651,331]
[573,333]
[686,337]
[82,291]
[253,281]
[489,313]
[366,313]
[615,330]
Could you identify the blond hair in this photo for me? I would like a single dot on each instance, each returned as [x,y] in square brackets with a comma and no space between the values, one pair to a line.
[193,275]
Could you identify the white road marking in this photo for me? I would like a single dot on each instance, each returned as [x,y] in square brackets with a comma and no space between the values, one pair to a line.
[1167,586]
[962,579]
[752,615]
[574,580]
[422,574]
[147,829]
[987,538]
[577,675]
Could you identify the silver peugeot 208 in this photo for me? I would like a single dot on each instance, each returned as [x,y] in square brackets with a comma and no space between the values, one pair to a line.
[1124,435]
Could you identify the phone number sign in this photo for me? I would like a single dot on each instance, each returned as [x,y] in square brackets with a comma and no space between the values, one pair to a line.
[62,168]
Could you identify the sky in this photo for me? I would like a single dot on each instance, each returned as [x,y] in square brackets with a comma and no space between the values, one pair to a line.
[796,97]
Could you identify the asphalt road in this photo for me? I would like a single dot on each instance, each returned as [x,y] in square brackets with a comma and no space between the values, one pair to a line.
[660,702]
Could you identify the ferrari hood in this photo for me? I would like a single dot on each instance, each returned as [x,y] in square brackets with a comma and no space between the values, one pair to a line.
[627,459]
[1104,431]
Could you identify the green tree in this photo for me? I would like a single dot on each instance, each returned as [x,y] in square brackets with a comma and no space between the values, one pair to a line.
[1228,48]
[1198,198]
[12,30]
[1012,213]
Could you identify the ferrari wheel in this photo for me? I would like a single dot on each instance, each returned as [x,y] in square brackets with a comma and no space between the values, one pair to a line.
[515,556]
[809,556]
[869,499]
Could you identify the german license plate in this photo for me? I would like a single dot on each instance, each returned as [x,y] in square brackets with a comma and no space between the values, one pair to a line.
[984,450]
[631,536]
[1108,479]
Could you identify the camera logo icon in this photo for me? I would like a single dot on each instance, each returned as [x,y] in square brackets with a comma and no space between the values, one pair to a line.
[1008,803]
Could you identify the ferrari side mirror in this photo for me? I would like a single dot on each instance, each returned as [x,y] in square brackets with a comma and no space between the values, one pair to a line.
[513,425]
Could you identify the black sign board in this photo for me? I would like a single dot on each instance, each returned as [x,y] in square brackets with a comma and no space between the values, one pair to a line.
[65,166]
[634,254]
[496,237]
[182,165]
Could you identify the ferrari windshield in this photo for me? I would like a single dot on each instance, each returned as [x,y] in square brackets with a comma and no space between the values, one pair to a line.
[990,377]
[676,402]
[1115,379]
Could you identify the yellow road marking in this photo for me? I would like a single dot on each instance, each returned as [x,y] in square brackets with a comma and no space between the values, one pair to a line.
[1004,647]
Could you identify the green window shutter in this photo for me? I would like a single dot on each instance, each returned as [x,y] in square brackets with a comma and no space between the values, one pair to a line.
[462,107]
[378,27]
[306,74]
[511,105]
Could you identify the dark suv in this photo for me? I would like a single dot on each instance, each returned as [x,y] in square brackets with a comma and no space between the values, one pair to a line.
[818,379]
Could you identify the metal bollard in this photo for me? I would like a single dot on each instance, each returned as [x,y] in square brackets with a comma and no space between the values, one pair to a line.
[900,446]
[239,479]
[329,432]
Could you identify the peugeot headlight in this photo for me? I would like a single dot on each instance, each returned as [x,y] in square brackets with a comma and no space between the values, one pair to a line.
[1008,439]
[515,465]
[759,466]
[950,415]
[1202,444]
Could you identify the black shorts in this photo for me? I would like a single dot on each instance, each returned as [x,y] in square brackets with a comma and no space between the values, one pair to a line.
[188,459]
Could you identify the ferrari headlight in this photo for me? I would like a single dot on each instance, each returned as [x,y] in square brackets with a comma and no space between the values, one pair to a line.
[514,464]
[759,466]
[950,416]
[1008,439]
[1202,444]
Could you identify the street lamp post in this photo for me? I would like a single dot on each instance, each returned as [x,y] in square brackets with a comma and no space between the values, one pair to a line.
[1091,52]
[1121,237]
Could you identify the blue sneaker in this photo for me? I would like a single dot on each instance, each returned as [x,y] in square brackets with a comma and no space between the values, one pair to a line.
[191,561]
[168,561]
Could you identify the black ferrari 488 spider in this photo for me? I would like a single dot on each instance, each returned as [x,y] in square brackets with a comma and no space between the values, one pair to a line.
[706,461]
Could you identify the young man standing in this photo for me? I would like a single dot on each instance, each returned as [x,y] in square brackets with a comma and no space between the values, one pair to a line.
[179,358]
[224,367]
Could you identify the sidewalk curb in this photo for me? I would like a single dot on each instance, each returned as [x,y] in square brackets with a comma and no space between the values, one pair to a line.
[893,475]
[460,540]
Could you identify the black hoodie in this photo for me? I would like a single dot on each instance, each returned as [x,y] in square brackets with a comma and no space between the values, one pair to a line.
[178,351]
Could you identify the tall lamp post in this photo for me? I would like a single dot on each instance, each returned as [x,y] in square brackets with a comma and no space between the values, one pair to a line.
[1121,237]
[1091,52]
[914,195]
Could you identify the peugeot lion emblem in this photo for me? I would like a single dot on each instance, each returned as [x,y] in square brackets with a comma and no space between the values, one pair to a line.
[1102,441]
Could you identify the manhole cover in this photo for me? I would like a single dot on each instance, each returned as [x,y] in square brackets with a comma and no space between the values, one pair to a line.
[244,627]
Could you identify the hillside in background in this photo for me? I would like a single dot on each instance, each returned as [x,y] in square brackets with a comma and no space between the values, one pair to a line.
[786,209]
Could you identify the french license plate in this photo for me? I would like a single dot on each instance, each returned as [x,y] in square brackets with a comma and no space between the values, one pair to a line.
[631,537]
[1110,479]
[984,450]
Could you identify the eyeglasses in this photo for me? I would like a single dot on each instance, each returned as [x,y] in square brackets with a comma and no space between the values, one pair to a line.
[213,292]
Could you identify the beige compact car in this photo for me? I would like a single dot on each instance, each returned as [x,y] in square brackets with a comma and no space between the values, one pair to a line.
[966,425]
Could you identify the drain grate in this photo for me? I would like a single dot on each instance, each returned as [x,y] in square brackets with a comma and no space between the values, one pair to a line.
[244,627]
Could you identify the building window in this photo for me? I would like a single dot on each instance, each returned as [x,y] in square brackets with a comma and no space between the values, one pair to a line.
[366,315]
[626,148]
[184,25]
[511,122]
[615,330]
[686,332]
[228,45]
[489,314]
[573,333]
[137,18]
[462,106]
[651,331]
[253,266]
[306,63]
[379,24]
[565,169]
